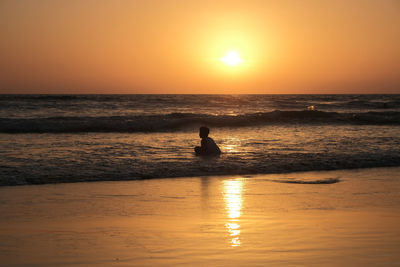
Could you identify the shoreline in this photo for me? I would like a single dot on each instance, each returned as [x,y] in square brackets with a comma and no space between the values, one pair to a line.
[247,175]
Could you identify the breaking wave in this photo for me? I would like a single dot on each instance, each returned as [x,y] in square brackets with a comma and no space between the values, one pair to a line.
[179,121]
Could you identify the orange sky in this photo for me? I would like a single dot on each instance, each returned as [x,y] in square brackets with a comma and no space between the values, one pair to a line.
[171,46]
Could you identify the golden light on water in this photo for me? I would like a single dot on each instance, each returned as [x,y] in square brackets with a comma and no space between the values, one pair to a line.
[234,231]
[232,145]
[233,197]
[233,205]
[230,148]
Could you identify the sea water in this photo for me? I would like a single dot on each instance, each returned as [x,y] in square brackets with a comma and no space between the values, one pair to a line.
[70,138]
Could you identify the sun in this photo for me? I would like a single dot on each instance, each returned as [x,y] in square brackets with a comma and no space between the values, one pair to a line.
[232,58]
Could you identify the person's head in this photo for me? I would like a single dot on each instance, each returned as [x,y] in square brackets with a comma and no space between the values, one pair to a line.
[203,132]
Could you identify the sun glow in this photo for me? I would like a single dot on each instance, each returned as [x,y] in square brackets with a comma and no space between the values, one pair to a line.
[232,58]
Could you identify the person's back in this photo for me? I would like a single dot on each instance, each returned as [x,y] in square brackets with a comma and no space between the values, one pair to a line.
[211,146]
[208,146]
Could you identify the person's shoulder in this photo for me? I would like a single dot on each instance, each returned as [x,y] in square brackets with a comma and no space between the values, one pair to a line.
[212,143]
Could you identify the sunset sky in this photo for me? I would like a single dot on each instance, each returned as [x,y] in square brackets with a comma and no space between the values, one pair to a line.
[171,46]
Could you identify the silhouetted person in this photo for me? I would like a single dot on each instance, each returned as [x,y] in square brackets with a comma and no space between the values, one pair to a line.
[208,146]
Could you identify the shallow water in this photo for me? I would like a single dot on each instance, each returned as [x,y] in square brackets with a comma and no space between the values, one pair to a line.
[54,158]
[224,221]
[70,138]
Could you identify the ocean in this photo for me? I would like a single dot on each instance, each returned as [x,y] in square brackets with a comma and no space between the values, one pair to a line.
[77,138]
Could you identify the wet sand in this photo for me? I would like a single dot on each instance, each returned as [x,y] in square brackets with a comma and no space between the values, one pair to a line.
[348,218]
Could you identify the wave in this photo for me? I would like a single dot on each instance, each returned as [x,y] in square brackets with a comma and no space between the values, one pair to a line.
[178,121]
[43,97]
[294,181]
[116,162]
[364,102]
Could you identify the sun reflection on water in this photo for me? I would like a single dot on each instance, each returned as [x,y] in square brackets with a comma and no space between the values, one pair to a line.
[234,232]
[233,205]
[231,145]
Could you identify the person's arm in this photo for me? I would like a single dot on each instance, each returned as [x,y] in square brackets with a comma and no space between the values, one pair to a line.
[218,150]
[201,150]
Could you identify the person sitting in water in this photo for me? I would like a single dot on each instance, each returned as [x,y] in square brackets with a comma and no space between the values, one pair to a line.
[208,146]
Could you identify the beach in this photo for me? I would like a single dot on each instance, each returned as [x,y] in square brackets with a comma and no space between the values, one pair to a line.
[199,133]
[328,218]
[104,180]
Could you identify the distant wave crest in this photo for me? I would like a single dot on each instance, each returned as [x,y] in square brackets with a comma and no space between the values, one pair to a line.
[179,121]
